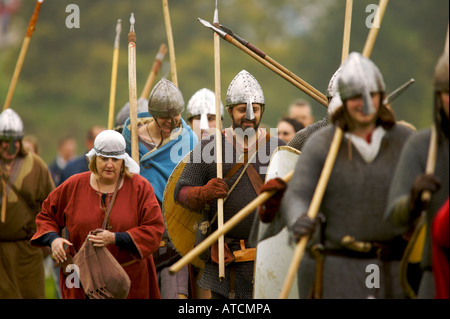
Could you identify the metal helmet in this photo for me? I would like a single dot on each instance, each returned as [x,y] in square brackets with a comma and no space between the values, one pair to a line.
[440,79]
[332,93]
[202,103]
[165,100]
[245,89]
[11,128]
[332,88]
[360,76]
[124,113]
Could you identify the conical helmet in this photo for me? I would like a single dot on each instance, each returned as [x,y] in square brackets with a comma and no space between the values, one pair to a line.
[245,89]
[332,93]
[11,126]
[360,76]
[165,100]
[202,103]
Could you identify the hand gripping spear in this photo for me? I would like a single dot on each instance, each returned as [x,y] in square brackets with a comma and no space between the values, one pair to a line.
[331,157]
[173,67]
[22,54]
[112,95]
[264,59]
[218,143]
[132,90]
[154,71]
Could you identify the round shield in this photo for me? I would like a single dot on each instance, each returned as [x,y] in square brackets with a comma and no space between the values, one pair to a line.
[181,223]
[273,255]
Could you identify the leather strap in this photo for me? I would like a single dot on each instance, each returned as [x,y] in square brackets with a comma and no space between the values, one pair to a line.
[111,203]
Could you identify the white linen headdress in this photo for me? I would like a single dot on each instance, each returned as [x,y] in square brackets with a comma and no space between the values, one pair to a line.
[110,143]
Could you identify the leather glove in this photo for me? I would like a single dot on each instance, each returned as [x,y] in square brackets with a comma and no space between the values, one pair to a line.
[198,196]
[423,182]
[269,209]
[304,226]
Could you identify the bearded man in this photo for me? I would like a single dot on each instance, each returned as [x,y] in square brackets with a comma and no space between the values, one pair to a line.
[246,151]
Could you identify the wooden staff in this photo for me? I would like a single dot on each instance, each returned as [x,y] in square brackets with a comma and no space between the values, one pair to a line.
[154,71]
[230,224]
[326,172]
[266,57]
[373,33]
[269,65]
[221,242]
[23,53]
[132,90]
[112,94]
[347,30]
[173,67]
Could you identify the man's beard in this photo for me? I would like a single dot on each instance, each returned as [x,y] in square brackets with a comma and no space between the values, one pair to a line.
[248,131]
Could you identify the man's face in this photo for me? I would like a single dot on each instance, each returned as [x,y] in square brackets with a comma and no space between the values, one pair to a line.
[238,112]
[355,110]
[301,114]
[5,150]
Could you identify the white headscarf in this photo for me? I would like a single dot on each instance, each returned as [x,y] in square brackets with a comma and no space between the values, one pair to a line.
[110,143]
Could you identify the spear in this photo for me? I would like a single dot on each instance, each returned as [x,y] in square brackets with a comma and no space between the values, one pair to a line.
[132,90]
[23,53]
[266,57]
[329,162]
[173,67]
[154,71]
[112,95]
[218,143]
[235,42]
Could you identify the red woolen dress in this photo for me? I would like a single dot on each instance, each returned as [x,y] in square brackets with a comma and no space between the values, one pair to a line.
[77,206]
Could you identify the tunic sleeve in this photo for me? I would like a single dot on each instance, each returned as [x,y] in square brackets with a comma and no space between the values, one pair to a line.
[50,219]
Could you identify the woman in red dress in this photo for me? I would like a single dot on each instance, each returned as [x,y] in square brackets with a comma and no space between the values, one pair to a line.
[135,226]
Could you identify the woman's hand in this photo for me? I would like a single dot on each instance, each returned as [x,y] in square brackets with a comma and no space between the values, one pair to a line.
[58,250]
[102,238]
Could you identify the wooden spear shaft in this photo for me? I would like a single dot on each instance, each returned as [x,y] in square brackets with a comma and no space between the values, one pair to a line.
[317,97]
[173,67]
[112,94]
[221,241]
[133,90]
[154,71]
[373,33]
[347,30]
[22,54]
[326,172]
[230,224]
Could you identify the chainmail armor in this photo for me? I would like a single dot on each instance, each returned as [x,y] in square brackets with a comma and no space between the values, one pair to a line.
[198,173]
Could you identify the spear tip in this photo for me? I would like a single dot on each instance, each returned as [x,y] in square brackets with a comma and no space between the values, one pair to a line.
[132,21]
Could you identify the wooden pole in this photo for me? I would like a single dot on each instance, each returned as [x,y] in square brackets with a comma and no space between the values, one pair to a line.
[269,65]
[230,224]
[132,90]
[173,67]
[22,54]
[373,33]
[312,210]
[221,241]
[347,30]
[154,71]
[112,94]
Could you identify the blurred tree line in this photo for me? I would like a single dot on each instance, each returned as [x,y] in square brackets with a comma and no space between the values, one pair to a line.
[64,85]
